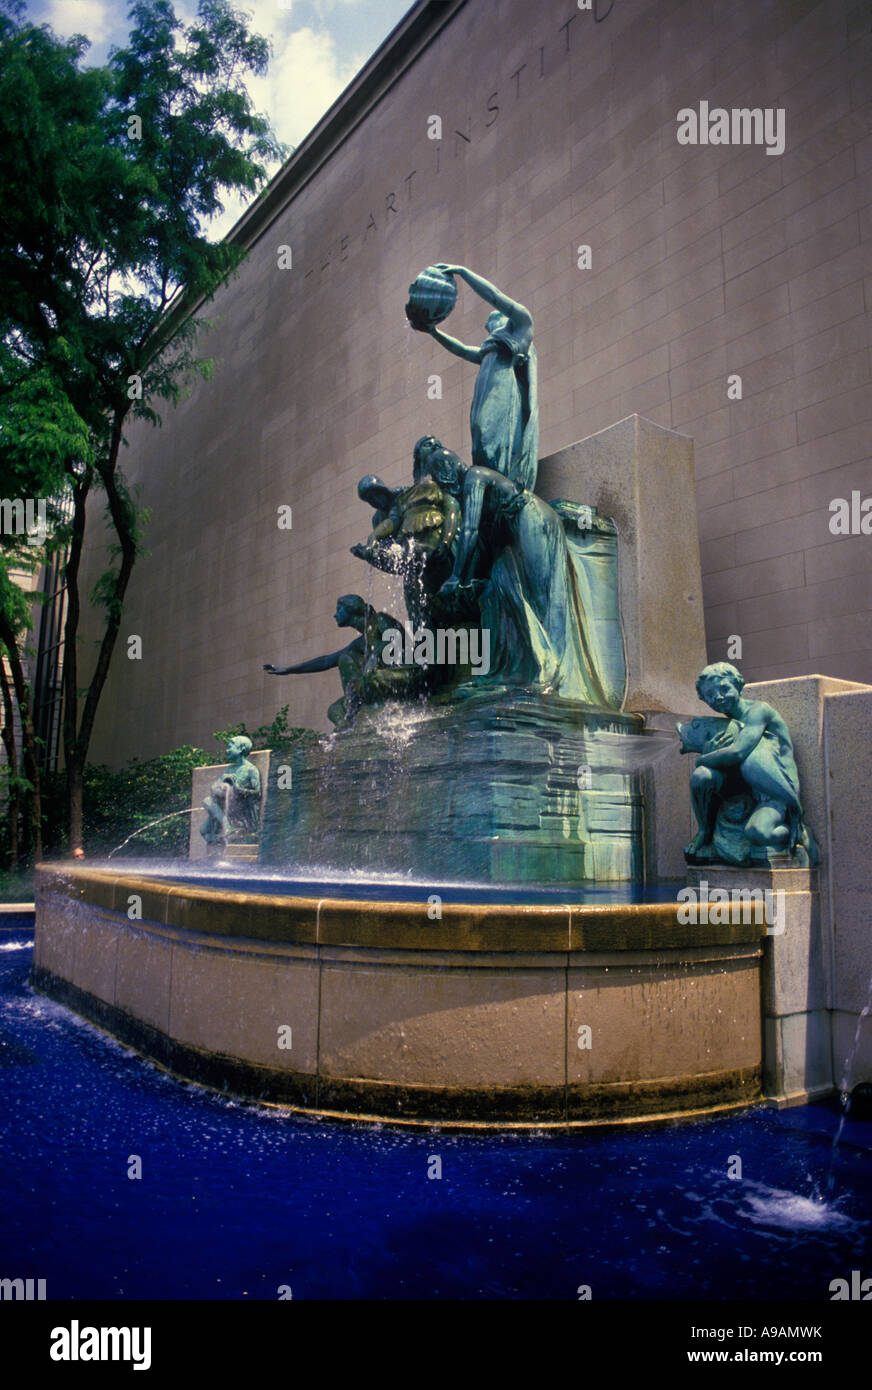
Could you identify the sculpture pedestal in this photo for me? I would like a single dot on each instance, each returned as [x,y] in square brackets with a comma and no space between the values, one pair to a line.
[494,788]
[797,1052]
[244,851]
[641,475]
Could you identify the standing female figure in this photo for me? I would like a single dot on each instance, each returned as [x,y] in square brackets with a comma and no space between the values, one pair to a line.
[504,418]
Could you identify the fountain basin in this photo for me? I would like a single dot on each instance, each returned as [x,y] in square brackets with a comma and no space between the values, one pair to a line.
[496,788]
[380,1010]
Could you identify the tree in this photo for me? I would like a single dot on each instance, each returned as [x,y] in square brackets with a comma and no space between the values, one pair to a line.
[107,176]
[40,436]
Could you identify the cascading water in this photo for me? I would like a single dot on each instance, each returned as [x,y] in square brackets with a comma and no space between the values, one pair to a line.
[845,1087]
[189,811]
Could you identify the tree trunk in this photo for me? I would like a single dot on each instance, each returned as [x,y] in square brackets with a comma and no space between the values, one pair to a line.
[77,740]
[14,804]
[70,668]
[28,738]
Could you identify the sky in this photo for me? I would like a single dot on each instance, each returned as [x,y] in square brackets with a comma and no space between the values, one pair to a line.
[318,46]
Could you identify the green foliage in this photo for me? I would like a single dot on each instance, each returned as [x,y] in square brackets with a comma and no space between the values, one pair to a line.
[116,803]
[8,785]
[42,437]
[108,178]
[16,887]
[102,228]
[277,734]
[13,600]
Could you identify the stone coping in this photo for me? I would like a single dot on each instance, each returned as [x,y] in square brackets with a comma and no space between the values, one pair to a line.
[473,927]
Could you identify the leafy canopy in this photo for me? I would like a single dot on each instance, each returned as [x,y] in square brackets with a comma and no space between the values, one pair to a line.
[108,176]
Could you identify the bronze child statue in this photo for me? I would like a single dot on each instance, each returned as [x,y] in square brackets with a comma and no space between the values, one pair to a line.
[233,803]
[745,786]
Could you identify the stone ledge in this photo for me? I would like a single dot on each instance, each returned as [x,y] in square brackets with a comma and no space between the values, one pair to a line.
[472,927]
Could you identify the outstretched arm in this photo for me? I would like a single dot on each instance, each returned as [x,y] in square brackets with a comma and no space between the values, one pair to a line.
[318,663]
[520,317]
[469,354]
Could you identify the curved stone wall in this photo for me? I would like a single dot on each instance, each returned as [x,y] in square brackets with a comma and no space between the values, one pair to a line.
[372,1009]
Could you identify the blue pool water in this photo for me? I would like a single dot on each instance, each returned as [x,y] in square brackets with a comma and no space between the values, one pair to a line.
[236,1201]
[320,884]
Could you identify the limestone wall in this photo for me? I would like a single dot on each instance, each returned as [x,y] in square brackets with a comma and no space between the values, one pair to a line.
[558,131]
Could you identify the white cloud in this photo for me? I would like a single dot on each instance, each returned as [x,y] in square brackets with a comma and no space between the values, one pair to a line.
[91,17]
[305,78]
[305,75]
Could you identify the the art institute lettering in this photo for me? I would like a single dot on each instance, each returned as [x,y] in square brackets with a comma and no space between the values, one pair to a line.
[519,84]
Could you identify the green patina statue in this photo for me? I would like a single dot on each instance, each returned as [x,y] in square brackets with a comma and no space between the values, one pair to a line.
[365,678]
[513,641]
[517,572]
[233,804]
[504,416]
[478,550]
[414,529]
[745,786]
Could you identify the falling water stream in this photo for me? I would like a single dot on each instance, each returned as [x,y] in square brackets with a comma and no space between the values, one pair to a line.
[845,1088]
[189,811]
